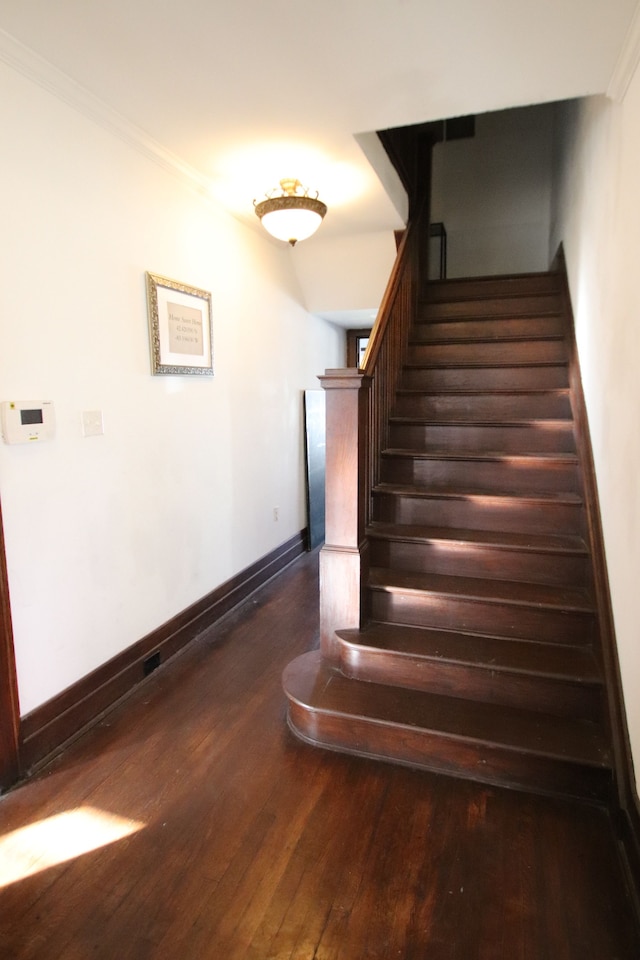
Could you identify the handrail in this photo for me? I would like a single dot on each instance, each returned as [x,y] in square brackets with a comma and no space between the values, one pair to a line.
[377,334]
[358,406]
[386,352]
[359,403]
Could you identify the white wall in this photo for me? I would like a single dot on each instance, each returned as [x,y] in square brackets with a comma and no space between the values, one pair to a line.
[345,274]
[493,193]
[108,537]
[597,192]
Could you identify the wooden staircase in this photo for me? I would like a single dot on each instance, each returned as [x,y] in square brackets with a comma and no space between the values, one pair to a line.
[480,654]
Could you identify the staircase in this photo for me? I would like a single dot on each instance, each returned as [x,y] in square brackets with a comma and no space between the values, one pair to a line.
[480,656]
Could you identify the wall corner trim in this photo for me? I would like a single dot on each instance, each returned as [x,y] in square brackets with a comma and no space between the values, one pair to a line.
[49,727]
[40,71]
[627,61]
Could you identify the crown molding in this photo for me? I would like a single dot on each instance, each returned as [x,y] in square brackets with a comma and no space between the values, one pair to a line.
[627,62]
[31,65]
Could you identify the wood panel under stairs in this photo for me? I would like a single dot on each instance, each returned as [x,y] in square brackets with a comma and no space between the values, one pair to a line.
[480,656]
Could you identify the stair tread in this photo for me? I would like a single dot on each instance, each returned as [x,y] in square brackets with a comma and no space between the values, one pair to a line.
[496,455]
[510,284]
[543,543]
[431,492]
[445,419]
[499,391]
[427,305]
[533,658]
[505,282]
[513,592]
[504,338]
[542,299]
[433,310]
[491,365]
[315,685]
[544,422]
[548,304]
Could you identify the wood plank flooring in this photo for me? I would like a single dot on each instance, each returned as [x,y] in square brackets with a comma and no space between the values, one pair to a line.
[255,846]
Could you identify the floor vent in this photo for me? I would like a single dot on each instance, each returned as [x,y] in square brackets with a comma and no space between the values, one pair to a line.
[151,663]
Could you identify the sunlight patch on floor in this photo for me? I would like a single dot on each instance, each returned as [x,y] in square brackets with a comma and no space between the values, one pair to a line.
[57,839]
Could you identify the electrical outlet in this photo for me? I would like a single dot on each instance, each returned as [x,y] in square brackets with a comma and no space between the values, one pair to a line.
[276,513]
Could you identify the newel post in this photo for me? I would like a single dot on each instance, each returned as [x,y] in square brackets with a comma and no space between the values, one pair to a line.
[344,557]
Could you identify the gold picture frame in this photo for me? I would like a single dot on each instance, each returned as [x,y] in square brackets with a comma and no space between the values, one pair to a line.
[180,328]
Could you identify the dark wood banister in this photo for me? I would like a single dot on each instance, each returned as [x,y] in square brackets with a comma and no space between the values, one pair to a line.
[358,405]
[384,313]
[359,402]
[386,351]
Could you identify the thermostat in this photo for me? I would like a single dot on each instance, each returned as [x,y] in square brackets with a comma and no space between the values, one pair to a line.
[24,421]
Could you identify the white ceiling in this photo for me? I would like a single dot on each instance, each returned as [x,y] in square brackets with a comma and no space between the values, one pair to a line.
[243,93]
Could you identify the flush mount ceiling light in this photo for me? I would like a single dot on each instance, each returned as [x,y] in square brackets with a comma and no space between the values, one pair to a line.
[292,214]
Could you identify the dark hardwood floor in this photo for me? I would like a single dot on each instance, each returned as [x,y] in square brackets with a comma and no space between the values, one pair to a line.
[256,846]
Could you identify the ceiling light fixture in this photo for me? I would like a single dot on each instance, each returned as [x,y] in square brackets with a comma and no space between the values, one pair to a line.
[292,214]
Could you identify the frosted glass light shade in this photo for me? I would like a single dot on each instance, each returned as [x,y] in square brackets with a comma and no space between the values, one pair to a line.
[291,224]
[293,215]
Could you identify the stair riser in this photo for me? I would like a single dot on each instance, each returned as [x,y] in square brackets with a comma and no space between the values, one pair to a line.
[482,476]
[485,378]
[500,619]
[483,287]
[535,305]
[428,331]
[481,561]
[459,757]
[551,437]
[484,354]
[563,698]
[527,406]
[480,514]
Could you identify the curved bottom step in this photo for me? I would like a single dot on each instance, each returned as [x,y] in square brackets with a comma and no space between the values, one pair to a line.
[493,744]
[543,677]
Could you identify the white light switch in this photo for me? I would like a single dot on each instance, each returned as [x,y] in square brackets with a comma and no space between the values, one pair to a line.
[92,423]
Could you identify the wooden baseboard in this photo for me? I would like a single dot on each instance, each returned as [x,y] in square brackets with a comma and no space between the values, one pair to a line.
[48,727]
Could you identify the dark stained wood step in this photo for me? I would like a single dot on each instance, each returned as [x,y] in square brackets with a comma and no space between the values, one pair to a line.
[500,306]
[480,472]
[530,542]
[522,328]
[541,596]
[484,405]
[468,288]
[480,553]
[488,742]
[517,436]
[432,377]
[548,678]
[484,353]
[553,614]
[517,512]
[479,643]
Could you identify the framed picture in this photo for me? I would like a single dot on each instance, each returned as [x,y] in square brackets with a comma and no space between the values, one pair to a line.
[179,328]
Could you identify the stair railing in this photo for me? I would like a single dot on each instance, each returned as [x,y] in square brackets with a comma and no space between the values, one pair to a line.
[358,406]
[387,348]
